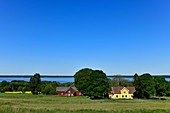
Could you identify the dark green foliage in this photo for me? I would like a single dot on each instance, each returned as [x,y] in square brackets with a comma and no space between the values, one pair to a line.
[98,84]
[81,79]
[19,85]
[49,90]
[20,88]
[168,88]
[135,78]
[7,88]
[93,83]
[23,90]
[4,83]
[160,86]
[145,86]
[35,84]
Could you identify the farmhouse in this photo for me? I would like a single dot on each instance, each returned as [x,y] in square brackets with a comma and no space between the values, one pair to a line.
[122,92]
[68,91]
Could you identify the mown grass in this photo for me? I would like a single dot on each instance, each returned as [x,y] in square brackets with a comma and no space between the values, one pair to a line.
[19,103]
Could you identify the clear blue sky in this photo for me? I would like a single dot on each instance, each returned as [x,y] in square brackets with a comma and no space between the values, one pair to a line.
[63,36]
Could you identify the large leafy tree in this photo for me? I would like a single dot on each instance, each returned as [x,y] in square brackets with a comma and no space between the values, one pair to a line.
[98,84]
[160,86]
[81,80]
[93,83]
[145,86]
[35,84]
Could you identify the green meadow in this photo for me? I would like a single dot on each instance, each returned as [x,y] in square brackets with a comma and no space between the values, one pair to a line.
[19,103]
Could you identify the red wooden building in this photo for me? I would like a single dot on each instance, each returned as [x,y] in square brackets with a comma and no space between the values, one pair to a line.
[68,91]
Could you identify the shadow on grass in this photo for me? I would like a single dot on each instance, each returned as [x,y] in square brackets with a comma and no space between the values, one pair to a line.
[152,98]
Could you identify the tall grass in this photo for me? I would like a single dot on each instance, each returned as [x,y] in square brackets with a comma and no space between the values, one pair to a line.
[25,103]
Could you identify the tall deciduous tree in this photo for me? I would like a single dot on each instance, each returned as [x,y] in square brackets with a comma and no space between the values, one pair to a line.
[93,83]
[145,86]
[35,83]
[81,80]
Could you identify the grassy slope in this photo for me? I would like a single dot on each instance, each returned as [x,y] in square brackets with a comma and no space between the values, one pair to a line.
[30,103]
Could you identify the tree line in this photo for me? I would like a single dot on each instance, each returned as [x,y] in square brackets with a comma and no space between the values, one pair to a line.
[35,85]
[93,83]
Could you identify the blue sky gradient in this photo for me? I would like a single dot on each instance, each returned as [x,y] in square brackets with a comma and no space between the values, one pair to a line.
[63,36]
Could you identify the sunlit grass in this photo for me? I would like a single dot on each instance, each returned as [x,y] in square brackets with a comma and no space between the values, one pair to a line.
[42,103]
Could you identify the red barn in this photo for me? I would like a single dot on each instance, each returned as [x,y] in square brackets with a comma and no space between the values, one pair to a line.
[68,91]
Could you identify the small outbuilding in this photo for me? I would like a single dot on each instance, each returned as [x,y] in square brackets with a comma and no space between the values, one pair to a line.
[68,91]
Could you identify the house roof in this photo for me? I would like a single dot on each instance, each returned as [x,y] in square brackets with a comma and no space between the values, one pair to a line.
[117,90]
[65,89]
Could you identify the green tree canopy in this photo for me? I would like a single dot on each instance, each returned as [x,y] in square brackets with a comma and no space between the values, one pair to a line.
[98,84]
[35,84]
[160,86]
[81,80]
[145,86]
[135,78]
[93,83]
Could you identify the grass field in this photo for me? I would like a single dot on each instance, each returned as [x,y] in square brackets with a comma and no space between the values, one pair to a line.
[20,103]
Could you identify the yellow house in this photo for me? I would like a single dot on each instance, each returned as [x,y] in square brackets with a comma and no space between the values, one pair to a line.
[122,92]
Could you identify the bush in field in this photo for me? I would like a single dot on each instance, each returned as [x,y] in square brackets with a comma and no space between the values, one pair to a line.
[145,86]
[53,92]
[49,90]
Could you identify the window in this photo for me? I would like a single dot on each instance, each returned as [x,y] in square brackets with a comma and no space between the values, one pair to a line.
[80,94]
[68,91]
[123,96]
[124,92]
[116,96]
[61,93]
[126,96]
